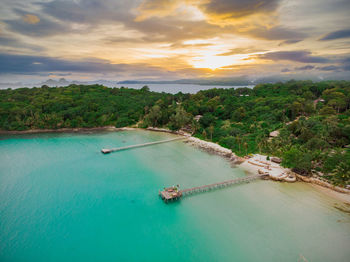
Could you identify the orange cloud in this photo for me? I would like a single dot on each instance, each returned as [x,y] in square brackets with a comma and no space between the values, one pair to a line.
[31,19]
[157,8]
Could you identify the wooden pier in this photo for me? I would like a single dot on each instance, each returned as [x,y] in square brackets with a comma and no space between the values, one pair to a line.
[168,196]
[107,151]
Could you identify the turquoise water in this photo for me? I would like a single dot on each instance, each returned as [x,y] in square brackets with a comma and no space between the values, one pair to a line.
[62,200]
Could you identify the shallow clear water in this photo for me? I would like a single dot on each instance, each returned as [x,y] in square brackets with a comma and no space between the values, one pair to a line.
[62,200]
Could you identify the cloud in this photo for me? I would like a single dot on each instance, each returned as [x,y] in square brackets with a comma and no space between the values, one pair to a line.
[30,24]
[16,43]
[156,8]
[25,64]
[277,33]
[156,19]
[241,50]
[303,68]
[228,9]
[285,70]
[329,68]
[89,11]
[290,41]
[31,19]
[337,35]
[189,46]
[295,56]
[346,64]
[28,65]
[96,13]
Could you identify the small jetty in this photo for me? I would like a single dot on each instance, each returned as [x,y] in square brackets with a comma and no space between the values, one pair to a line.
[173,193]
[107,151]
[170,193]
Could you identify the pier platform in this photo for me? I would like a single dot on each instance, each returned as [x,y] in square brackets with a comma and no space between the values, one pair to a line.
[170,194]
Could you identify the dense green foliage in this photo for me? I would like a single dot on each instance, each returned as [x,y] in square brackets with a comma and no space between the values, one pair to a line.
[74,106]
[313,119]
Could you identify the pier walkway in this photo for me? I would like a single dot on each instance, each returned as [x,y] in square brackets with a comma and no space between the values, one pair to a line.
[107,151]
[189,191]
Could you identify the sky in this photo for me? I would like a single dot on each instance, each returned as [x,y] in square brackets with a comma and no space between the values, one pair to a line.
[173,39]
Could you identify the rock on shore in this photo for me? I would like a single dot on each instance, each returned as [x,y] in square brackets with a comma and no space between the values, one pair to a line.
[211,147]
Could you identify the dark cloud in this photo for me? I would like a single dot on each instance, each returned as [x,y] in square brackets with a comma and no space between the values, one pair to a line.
[337,35]
[342,65]
[302,68]
[277,33]
[346,64]
[285,70]
[15,43]
[329,68]
[290,41]
[23,64]
[296,56]
[239,8]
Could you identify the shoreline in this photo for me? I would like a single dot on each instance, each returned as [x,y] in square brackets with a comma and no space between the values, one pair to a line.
[62,130]
[339,193]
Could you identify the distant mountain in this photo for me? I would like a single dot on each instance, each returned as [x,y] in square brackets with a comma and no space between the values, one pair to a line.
[98,82]
[51,82]
[213,81]
[64,82]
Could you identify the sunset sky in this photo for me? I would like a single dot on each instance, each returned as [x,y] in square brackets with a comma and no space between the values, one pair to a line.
[173,39]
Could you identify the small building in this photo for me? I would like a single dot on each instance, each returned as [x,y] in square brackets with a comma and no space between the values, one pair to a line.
[274,133]
[170,193]
[276,160]
[318,100]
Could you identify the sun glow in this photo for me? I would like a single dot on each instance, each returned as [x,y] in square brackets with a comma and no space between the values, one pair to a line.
[214,62]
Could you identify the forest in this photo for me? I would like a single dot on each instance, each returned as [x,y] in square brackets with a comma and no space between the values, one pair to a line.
[311,120]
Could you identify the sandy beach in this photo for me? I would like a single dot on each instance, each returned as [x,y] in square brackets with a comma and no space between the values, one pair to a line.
[276,171]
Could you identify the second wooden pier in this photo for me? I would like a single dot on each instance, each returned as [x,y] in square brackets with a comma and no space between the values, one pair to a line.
[107,151]
[173,193]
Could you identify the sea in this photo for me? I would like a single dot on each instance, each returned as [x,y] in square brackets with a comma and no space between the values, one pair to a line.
[176,88]
[61,199]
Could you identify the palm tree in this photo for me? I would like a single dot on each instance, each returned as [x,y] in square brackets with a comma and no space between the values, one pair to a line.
[211,131]
[238,140]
